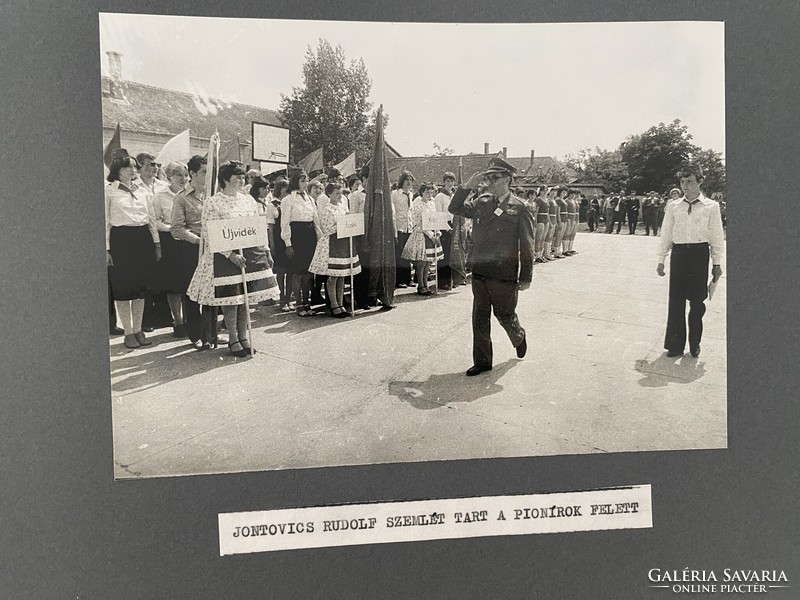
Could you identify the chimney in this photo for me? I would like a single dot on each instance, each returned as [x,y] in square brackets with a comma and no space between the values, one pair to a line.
[505,152]
[115,65]
[486,147]
[532,154]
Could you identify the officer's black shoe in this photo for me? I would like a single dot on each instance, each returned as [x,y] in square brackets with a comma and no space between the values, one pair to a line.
[477,370]
[522,348]
[695,350]
[674,353]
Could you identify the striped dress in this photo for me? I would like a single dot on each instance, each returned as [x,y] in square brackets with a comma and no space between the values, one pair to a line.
[419,246]
[217,281]
[332,255]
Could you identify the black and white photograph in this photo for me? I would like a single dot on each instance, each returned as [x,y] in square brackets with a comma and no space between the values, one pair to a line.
[457,241]
[399,300]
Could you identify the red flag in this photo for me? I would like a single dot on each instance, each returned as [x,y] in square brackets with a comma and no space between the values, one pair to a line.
[230,151]
[379,221]
[113,145]
[312,162]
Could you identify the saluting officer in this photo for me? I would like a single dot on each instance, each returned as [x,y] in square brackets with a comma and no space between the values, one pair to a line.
[501,260]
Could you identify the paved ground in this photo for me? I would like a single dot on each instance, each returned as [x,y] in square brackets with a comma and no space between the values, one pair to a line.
[390,386]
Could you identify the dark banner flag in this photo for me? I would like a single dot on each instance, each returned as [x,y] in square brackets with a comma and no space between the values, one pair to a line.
[379,221]
[114,144]
[313,162]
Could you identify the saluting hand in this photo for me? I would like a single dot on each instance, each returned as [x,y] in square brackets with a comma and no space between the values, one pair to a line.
[660,269]
[474,181]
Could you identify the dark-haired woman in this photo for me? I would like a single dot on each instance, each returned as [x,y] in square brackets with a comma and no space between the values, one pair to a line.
[168,271]
[132,247]
[259,190]
[218,278]
[332,255]
[280,190]
[298,213]
[423,247]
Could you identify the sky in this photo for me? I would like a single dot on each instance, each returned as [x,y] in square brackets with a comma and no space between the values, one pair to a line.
[551,88]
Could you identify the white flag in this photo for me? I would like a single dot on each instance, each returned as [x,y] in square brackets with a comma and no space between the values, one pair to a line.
[348,166]
[175,149]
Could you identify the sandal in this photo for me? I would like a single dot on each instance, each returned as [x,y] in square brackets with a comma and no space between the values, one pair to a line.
[245,343]
[239,353]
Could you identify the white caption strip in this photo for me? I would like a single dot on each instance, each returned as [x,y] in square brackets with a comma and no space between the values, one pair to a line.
[380,523]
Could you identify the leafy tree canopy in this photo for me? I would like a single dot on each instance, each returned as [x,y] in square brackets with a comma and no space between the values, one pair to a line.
[331,109]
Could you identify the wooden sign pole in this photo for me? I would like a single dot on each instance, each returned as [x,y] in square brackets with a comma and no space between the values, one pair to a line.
[352,287]
[247,309]
[436,266]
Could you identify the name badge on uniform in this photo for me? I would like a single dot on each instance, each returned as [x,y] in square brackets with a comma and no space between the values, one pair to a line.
[498,211]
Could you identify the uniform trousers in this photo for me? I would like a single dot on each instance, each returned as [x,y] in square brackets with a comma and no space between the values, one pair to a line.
[610,215]
[501,297]
[688,280]
[650,220]
[444,272]
[633,221]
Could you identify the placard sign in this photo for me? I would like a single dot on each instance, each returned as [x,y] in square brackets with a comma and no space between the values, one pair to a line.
[225,235]
[348,226]
[436,220]
[270,143]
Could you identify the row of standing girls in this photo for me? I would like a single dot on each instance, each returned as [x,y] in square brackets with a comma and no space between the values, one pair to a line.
[159,243]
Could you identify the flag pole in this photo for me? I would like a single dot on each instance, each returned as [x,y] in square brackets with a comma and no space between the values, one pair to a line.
[247,308]
[352,287]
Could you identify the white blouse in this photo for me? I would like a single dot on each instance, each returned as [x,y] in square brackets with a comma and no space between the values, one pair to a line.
[127,208]
[298,208]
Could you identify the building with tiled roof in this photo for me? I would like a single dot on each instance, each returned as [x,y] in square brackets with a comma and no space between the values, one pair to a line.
[149,116]
[530,169]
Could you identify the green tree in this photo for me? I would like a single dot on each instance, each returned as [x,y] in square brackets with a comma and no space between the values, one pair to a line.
[600,166]
[713,171]
[653,157]
[331,109]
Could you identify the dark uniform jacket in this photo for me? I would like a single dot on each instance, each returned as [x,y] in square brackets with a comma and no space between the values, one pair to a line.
[502,244]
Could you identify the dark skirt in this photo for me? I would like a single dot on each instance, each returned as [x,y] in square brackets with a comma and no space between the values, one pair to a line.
[304,242]
[188,255]
[228,277]
[133,253]
[279,258]
[169,270]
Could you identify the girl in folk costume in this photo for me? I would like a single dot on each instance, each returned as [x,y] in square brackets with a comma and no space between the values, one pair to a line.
[218,278]
[259,190]
[423,247]
[332,255]
[298,213]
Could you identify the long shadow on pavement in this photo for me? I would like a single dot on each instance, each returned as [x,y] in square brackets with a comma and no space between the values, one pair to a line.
[665,370]
[169,364]
[440,390]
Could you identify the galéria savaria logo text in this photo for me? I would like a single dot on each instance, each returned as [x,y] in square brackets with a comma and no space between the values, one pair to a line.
[727,581]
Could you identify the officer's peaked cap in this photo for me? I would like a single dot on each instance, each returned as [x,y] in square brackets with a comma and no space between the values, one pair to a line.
[498,165]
